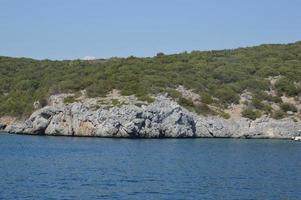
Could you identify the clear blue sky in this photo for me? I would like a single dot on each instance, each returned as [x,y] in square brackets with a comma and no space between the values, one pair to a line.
[66,29]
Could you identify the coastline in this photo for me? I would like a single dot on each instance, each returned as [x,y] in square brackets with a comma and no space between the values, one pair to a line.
[164,118]
[148,138]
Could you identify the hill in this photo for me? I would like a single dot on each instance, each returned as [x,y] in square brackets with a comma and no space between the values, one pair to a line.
[266,79]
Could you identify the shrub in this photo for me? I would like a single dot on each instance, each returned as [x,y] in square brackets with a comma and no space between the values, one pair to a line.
[284,85]
[203,109]
[173,93]
[255,84]
[251,114]
[262,95]
[288,107]
[69,99]
[160,54]
[43,102]
[96,91]
[146,98]
[227,96]
[267,109]
[187,103]
[225,115]
[257,103]
[206,98]
[267,71]
[115,102]
[276,99]
[278,114]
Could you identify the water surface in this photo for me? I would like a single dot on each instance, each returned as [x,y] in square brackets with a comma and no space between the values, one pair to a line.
[37,167]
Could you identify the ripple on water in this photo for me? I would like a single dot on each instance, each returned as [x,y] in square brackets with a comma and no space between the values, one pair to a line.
[92,168]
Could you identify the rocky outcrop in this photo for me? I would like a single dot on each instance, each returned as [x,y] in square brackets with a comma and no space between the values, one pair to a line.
[163,118]
[2,126]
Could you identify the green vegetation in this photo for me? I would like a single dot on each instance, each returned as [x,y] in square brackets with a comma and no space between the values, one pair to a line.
[69,99]
[284,108]
[219,77]
[117,103]
[262,103]
[146,98]
[206,98]
[257,103]
[288,107]
[287,87]
[251,114]
[224,115]
[278,114]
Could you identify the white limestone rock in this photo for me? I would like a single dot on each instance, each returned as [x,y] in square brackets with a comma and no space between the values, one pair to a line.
[163,118]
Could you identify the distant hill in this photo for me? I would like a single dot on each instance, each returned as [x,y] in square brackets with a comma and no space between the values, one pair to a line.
[266,73]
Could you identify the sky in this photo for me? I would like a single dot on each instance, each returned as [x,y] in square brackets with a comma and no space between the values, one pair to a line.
[70,29]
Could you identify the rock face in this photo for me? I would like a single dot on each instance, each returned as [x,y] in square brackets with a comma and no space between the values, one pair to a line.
[163,118]
[2,126]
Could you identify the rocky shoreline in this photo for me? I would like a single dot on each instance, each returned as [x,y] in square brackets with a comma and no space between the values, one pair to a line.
[164,118]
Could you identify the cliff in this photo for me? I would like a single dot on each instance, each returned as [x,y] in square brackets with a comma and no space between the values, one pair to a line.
[162,118]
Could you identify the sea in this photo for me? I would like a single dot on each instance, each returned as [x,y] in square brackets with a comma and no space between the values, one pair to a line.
[49,167]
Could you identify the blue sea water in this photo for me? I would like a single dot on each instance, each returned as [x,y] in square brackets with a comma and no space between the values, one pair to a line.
[37,167]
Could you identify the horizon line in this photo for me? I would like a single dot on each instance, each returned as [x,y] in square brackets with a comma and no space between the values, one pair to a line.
[152,56]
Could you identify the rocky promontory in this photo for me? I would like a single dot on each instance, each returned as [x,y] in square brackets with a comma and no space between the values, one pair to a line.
[252,92]
[164,118]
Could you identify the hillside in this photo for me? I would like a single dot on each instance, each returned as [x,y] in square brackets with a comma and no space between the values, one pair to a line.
[261,80]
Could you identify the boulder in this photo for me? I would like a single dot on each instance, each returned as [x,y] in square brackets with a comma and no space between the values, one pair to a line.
[17,127]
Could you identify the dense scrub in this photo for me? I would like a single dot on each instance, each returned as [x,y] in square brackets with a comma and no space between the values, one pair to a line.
[220,75]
